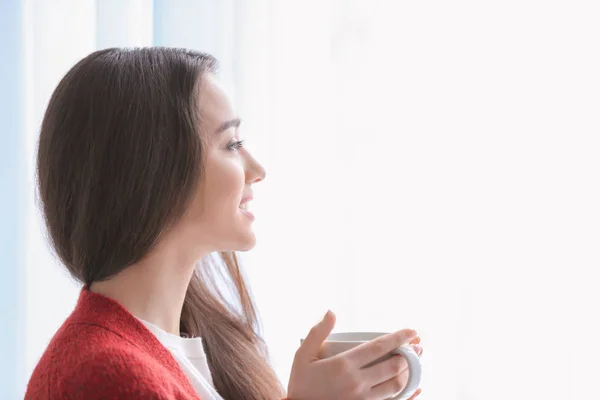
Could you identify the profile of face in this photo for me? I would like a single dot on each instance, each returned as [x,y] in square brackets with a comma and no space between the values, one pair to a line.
[218,218]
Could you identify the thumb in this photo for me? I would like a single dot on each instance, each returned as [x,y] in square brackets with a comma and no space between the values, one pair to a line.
[317,335]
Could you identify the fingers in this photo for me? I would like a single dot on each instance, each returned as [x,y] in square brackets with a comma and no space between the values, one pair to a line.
[312,344]
[371,351]
[391,387]
[388,369]
[418,349]
[385,370]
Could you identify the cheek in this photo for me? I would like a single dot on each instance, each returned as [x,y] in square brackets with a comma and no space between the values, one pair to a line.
[224,187]
[215,219]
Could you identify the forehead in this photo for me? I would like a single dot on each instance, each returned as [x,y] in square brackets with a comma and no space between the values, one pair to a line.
[215,104]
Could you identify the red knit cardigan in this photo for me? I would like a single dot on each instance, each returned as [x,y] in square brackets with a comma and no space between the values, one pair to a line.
[103,352]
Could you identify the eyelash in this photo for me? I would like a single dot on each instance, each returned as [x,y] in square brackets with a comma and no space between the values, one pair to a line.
[236,145]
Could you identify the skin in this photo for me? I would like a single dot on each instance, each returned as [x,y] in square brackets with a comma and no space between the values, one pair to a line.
[342,376]
[154,288]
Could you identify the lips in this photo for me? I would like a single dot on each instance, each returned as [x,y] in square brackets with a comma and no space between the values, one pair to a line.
[244,207]
[245,200]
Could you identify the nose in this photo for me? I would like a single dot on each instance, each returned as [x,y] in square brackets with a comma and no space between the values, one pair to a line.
[254,170]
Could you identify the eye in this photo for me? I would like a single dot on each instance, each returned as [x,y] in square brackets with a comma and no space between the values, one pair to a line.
[235,146]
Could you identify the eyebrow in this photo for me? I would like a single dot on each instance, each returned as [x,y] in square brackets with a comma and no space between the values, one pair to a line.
[234,123]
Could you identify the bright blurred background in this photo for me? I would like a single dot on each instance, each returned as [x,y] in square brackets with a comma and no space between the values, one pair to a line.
[431,164]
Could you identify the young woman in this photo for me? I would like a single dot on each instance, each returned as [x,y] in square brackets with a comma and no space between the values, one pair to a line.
[145,186]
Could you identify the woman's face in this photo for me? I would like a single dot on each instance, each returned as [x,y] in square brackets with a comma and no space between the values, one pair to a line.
[219,217]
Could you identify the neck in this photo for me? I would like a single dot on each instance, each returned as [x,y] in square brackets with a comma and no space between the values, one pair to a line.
[153,289]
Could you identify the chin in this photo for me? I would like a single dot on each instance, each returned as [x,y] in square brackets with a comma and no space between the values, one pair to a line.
[246,242]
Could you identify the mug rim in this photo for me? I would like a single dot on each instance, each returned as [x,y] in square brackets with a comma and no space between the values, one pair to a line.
[353,337]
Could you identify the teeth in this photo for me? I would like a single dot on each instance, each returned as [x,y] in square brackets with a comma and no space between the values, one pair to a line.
[244,206]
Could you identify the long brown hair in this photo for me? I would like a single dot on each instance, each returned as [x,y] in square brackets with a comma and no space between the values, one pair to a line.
[117,165]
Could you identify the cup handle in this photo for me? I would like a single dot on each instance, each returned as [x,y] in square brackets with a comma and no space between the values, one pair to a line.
[414,372]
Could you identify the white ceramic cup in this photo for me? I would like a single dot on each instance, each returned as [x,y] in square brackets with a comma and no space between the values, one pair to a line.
[337,343]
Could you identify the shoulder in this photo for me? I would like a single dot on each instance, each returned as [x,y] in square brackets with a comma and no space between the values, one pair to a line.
[117,373]
[89,362]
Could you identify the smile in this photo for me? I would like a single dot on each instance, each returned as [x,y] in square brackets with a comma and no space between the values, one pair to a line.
[245,208]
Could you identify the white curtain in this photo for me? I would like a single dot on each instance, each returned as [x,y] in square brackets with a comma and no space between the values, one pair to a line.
[430,164]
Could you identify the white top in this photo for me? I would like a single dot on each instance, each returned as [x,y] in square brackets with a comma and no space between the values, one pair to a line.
[189,353]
